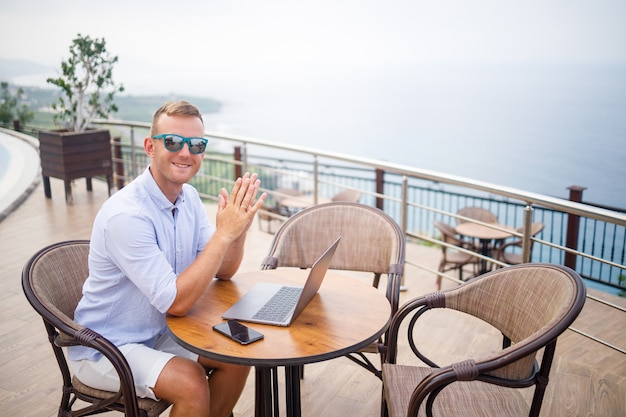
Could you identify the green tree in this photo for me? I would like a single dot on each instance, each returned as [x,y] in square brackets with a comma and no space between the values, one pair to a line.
[86,84]
[11,106]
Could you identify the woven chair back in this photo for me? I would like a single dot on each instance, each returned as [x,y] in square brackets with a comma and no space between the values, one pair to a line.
[371,241]
[524,303]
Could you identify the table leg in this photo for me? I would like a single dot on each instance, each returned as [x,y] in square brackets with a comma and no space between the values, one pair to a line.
[263,391]
[266,391]
[484,250]
[275,391]
[292,384]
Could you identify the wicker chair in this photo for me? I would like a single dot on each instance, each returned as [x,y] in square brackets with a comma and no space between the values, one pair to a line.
[530,305]
[270,214]
[371,241]
[476,213]
[452,259]
[281,194]
[480,214]
[352,196]
[52,281]
[515,258]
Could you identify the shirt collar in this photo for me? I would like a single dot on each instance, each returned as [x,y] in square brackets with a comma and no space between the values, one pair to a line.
[157,195]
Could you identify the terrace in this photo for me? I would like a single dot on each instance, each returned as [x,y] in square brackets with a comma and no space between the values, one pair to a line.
[590,366]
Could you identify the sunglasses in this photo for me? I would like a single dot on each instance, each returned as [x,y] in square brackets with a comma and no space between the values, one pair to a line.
[175,143]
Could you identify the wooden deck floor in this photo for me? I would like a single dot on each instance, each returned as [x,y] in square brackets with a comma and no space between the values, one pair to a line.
[588,379]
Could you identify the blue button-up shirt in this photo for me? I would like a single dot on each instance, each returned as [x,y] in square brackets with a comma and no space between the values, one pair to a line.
[139,244]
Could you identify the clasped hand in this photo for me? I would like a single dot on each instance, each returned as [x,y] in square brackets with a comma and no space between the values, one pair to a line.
[235,212]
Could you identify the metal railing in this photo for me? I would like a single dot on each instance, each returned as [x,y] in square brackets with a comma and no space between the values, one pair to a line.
[413,197]
[589,238]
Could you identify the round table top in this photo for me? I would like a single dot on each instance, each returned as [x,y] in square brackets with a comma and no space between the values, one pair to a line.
[483,232]
[303,201]
[346,315]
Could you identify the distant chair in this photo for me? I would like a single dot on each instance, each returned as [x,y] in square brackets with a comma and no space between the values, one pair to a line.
[527,306]
[514,258]
[268,215]
[452,259]
[281,194]
[476,213]
[352,196]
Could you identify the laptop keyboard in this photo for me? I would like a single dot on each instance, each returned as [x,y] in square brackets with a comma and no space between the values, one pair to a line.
[280,305]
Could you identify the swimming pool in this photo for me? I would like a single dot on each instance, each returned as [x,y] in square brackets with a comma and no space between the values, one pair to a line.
[19,170]
[4,160]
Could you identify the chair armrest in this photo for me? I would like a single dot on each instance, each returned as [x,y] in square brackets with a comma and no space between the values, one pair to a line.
[72,334]
[394,282]
[413,309]
[502,247]
[270,262]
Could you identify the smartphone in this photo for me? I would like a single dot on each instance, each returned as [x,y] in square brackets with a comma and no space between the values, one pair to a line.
[238,332]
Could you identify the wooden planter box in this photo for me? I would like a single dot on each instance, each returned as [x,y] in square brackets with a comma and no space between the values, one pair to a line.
[71,155]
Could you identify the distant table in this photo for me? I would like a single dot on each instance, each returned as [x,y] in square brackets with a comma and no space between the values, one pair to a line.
[486,235]
[345,316]
[297,203]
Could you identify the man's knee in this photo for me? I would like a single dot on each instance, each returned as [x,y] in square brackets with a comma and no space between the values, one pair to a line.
[183,380]
[198,380]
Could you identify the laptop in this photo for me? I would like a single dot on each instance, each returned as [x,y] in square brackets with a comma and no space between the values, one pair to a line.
[277,304]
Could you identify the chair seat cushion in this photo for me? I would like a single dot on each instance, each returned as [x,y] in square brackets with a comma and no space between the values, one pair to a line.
[152,408]
[463,398]
[512,258]
[459,258]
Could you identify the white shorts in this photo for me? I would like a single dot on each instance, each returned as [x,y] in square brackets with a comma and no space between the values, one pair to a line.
[145,363]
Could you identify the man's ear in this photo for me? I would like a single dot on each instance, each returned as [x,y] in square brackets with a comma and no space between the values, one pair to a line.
[148,146]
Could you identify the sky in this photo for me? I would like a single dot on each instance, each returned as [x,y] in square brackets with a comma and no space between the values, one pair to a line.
[346,75]
[191,46]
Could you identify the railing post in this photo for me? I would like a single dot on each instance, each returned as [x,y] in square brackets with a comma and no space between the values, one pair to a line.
[133,153]
[404,217]
[315,178]
[244,157]
[380,188]
[573,223]
[237,156]
[405,203]
[119,162]
[528,223]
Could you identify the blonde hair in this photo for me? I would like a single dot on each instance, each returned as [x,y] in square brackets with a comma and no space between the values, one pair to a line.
[174,108]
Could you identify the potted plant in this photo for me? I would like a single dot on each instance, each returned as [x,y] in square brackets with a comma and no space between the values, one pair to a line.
[87,91]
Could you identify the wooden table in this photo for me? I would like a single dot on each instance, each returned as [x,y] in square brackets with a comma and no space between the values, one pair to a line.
[486,235]
[294,204]
[346,315]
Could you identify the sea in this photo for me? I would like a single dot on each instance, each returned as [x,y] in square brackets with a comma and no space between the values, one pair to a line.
[536,128]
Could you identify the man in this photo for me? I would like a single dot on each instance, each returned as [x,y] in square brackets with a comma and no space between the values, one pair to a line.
[152,252]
